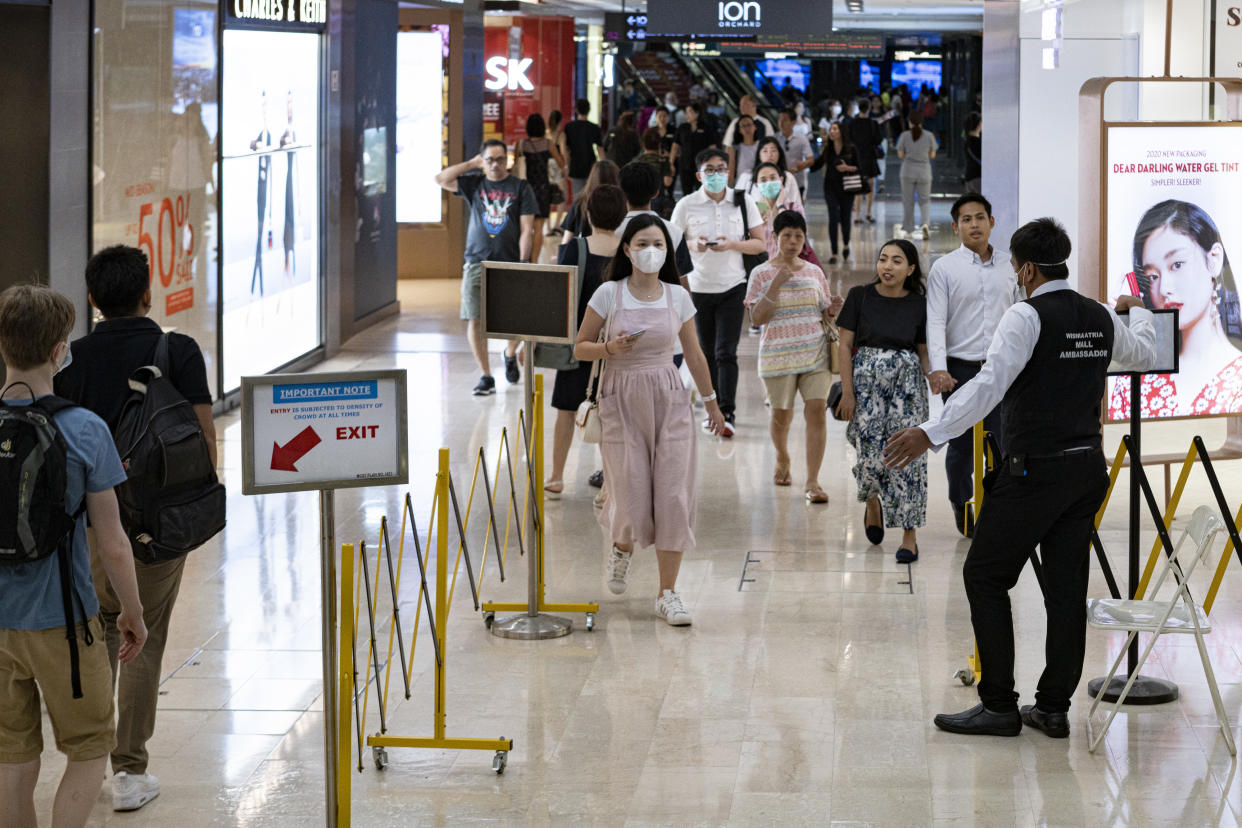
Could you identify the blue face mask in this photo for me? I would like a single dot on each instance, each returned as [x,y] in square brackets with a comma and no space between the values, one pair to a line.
[715,182]
[770,189]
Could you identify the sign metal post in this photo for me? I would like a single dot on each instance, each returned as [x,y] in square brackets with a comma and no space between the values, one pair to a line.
[327,431]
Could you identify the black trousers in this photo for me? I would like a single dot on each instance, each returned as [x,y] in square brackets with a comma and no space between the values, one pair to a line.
[719,323]
[840,205]
[1052,506]
[959,460]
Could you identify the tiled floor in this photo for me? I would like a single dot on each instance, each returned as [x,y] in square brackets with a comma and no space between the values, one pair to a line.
[804,697]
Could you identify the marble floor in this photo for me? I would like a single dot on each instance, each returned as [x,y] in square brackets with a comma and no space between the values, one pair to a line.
[802,695]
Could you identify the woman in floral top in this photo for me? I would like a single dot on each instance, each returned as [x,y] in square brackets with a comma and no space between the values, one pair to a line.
[1180,262]
[791,299]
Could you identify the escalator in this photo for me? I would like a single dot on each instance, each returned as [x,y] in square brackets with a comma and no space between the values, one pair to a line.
[730,81]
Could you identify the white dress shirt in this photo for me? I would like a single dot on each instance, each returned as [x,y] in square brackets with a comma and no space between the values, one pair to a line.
[1133,348]
[699,215]
[797,149]
[966,298]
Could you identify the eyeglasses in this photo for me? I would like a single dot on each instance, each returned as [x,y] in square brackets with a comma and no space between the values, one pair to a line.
[710,170]
[494,159]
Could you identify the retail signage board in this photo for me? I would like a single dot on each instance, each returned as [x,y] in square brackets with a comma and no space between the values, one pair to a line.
[538,303]
[845,45]
[735,19]
[1171,219]
[286,15]
[319,431]
[1168,343]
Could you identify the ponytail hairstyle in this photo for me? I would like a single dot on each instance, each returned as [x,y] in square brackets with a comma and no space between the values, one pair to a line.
[916,124]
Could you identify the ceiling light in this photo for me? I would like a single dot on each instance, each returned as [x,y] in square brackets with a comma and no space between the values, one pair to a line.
[855,6]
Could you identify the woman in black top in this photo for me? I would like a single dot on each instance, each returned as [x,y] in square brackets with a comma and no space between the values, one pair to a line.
[884,364]
[838,160]
[694,136]
[622,143]
[974,152]
[537,151]
[605,209]
[575,223]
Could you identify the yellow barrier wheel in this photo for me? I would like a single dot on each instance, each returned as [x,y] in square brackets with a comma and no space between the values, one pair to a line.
[380,756]
[965,675]
[590,621]
[488,619]
[500,759]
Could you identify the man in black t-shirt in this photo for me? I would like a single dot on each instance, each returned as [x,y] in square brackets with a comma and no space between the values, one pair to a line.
[118,282]
[502,229]
[585,141]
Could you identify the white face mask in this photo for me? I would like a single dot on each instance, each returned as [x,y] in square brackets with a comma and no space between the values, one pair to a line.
[649,259]
[1022,294]
[67,362]
[836,110]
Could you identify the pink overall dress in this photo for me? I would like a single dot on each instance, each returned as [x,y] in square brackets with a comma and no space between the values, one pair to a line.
[648,434]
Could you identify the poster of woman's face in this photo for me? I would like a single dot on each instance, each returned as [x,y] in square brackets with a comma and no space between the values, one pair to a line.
[1173,216]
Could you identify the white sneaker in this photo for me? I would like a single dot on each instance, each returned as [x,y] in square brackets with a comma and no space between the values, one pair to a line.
[616,568]
[669,607]
[898,232]
[131,791]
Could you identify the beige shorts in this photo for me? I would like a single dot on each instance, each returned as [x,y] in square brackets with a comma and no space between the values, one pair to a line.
[784,390]
[37,661]
[472,290]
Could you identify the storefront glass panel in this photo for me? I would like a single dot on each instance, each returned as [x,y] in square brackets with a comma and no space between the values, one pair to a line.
[154,155]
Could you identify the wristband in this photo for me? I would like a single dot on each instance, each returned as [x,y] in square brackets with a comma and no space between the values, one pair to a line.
[709,397]
[606,351]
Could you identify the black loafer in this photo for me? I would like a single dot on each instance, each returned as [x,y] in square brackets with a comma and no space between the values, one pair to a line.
[875,534]
[979,721]
[1055,725]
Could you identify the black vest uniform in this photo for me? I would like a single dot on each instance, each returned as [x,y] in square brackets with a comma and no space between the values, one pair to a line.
[1045,493]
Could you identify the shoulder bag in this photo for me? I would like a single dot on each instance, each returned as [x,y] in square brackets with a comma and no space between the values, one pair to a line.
[749,260]
[519,161]
[587,419]
[561,357]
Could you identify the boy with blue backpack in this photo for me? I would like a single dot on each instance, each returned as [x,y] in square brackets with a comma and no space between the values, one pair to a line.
[57,463]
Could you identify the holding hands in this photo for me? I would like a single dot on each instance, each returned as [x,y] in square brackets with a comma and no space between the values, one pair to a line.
[941,382]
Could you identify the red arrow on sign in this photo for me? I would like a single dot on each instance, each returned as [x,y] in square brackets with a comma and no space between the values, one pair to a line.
[284,457]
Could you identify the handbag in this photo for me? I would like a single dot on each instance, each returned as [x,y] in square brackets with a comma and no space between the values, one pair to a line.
[749,260]
[852,183]
[519,161]
[835,393]
[561,357]
[834,352]
[587,418]
[556,195]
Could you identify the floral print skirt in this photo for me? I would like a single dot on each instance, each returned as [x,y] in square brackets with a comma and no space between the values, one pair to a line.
[890,394]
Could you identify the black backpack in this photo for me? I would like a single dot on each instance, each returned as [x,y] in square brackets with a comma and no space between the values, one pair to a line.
[34,523]
[172,502]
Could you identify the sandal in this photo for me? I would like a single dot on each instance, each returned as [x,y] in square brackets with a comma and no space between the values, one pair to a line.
[815,494]
[553,493]
[781,476]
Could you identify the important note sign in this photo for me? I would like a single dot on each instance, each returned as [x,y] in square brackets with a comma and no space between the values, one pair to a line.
[308,432]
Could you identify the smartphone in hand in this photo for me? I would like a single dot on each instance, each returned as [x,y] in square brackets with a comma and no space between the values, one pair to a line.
[632,336]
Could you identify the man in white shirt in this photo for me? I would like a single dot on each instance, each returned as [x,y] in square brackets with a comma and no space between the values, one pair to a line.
[968,291]
[720,225]
[1048,363]
[798,153]
[763,127]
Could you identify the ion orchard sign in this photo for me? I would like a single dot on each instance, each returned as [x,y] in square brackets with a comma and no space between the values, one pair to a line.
[735,19]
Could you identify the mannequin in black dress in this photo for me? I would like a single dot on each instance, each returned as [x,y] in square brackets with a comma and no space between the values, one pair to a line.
[287,139]
[260,144]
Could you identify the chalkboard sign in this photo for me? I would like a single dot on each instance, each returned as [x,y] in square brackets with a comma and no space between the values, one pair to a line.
[538,303]
[1168,342]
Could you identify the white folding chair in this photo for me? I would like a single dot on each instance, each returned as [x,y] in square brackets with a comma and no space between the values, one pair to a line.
[1179,614]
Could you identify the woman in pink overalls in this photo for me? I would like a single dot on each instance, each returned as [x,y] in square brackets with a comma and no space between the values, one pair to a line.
[644,409]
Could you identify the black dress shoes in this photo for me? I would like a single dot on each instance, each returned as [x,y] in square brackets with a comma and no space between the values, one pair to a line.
[979,721]
[1055,725]
[963,519]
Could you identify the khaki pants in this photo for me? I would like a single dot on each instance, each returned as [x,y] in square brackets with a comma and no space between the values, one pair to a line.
[138,683]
